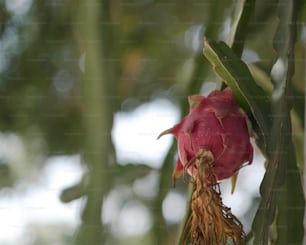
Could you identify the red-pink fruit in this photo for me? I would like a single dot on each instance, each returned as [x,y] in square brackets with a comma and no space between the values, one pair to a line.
[214,123]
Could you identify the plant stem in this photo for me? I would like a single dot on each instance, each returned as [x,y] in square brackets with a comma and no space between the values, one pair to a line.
[97,118]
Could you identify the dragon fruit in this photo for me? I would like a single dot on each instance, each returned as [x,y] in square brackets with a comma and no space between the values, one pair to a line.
[214,123]
[213,144]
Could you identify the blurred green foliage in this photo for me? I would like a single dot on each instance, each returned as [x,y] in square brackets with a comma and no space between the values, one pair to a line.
[145,49]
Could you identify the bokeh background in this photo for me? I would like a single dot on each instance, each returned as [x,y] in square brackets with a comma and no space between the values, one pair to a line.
[85,89]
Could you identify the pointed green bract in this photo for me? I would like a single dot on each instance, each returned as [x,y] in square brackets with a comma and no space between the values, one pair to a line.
[194,100]
[168,131]
[234,181]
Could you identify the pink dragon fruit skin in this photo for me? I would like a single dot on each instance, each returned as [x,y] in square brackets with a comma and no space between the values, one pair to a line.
[217,124]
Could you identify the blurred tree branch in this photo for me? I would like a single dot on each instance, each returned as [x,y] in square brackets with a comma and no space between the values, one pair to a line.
[92,35]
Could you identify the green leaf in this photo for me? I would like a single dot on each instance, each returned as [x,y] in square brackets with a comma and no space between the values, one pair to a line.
[236,74]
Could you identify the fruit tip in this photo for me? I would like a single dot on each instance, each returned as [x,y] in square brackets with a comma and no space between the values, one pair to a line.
[168,131]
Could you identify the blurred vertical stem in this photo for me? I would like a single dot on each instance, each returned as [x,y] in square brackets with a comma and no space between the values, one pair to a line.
[159,226]
[97,116]
[201,67]
[282,194]
[244,9]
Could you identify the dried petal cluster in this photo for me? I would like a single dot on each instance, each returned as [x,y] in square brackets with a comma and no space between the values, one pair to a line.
[211,222]
[213,144]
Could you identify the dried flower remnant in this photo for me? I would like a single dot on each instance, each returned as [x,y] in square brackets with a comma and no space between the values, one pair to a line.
[213,144]
[211,221]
